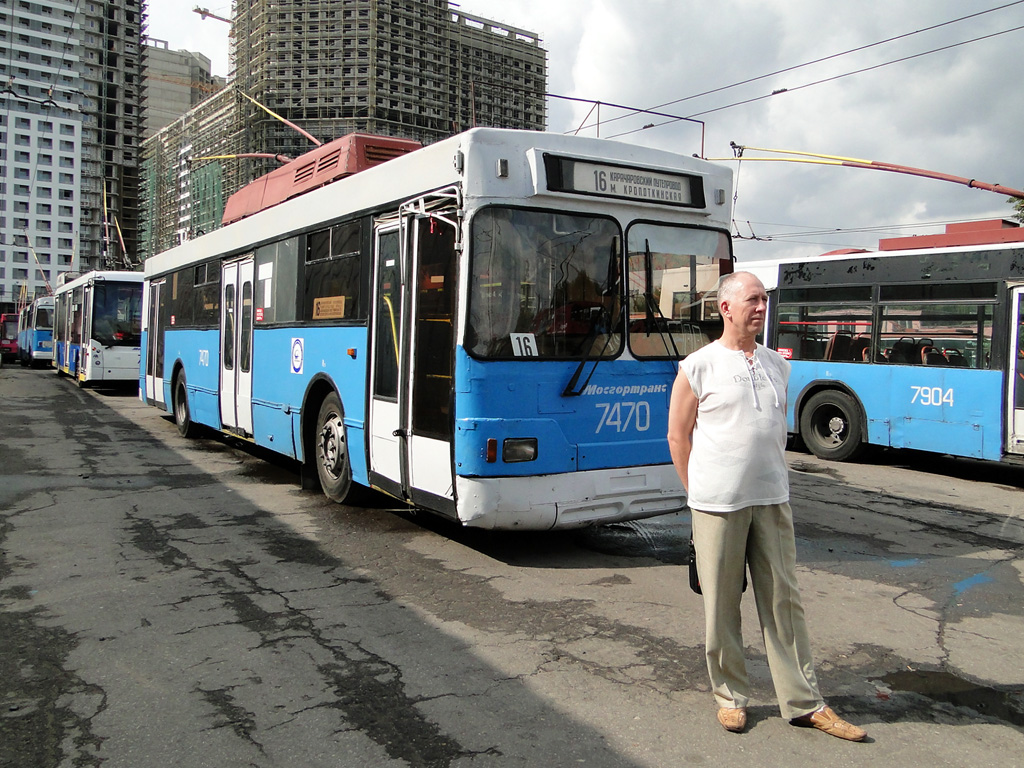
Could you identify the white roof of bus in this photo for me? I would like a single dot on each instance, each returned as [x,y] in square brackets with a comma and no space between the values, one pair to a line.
[432,168]
[767,270]
[124,277]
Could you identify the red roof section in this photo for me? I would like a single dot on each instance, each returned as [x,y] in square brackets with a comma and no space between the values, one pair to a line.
[989,232]
[328,162]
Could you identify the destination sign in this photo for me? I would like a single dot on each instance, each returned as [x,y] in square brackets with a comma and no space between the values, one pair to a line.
[641,184]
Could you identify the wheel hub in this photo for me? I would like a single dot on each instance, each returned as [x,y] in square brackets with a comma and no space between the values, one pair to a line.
[332,446]
[836,425]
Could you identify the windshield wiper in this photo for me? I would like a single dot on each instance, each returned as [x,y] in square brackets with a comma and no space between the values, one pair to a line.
[612,282]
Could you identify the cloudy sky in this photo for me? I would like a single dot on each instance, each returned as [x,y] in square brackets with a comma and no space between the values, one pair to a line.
[957,109]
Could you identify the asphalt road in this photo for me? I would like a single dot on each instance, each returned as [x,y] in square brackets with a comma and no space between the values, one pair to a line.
[172,602]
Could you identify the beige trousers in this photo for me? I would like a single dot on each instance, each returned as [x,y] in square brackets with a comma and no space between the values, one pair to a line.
[763,535]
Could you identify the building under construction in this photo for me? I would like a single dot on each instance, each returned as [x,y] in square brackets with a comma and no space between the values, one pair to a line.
[417,69]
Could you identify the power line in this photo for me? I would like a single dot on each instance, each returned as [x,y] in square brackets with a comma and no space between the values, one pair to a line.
[820,60]
[825,80]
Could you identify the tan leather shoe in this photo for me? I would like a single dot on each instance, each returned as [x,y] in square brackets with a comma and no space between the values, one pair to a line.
[733,719]
[828,721]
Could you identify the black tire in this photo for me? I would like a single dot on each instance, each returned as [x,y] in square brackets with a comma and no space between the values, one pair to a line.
[179,403]
[831,426]
[333,463]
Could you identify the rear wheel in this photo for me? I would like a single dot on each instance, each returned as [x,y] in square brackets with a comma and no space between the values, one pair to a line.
[831,426]
[333,463]
[182,417]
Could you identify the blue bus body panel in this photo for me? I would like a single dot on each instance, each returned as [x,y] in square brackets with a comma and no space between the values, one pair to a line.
[958,411]
[279,387]
[65,356]
[620,419]
[199,352]
[279,381]
[39,343]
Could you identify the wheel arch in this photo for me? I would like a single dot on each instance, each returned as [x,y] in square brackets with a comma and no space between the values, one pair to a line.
[822,385]
[319,387]
[177,369]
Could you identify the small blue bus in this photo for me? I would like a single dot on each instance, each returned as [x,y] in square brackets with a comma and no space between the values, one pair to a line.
[487,328]
[918,347]
[35,333]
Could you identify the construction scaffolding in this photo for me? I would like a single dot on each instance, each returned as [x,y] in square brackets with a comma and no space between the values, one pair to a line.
[415,69]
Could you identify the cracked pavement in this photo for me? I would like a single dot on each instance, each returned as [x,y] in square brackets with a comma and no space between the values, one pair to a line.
[184,602]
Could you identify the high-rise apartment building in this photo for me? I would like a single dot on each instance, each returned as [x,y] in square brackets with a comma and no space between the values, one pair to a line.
[418,69]
[69,136]
[412,68]
[40,146]
[112,65]
[175,81]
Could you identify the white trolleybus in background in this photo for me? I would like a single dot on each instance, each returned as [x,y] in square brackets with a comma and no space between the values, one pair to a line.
[97,327]
[487,327]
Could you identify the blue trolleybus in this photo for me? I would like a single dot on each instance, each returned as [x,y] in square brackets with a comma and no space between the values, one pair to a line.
[97,327]
[486,328]
[920,345]
[35,332]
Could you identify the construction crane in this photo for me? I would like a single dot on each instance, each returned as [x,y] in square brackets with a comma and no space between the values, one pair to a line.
[205,13]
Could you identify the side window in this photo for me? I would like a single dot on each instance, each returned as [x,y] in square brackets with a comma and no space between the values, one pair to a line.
[228,333]
[206,306]
[276,273]
[181,301]
[334,274]
[954,335]
[840,333]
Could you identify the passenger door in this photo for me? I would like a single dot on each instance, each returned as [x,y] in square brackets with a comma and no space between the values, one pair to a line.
[236,346]
[412,350]
[155,344]
[1015,375]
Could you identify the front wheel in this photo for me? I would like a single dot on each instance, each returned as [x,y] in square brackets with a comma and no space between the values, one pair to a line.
[831,426]
[182,416]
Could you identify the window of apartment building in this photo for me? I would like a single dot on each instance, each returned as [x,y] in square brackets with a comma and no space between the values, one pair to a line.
[21,156]
[65,226]
[65,210]
[67,130]
[44,209]
[67,146]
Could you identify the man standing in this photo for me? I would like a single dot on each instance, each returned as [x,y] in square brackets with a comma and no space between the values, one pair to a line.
[727,436]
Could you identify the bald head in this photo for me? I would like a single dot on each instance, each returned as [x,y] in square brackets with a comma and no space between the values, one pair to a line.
[734,283]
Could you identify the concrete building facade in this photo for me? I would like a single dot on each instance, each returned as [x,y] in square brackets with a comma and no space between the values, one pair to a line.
[175,82]
[69,139]
[40,147]
[417,69]
[111,67]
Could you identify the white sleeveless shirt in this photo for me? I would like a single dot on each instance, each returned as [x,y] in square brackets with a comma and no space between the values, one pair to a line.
[739,442]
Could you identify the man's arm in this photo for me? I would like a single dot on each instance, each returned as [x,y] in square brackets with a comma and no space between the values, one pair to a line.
[682,417]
